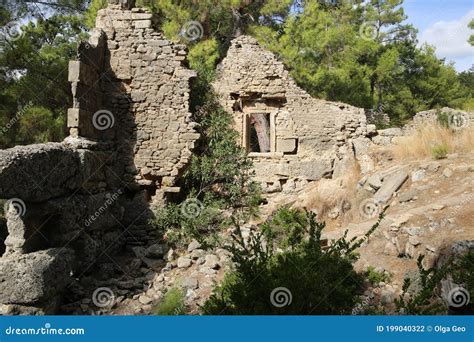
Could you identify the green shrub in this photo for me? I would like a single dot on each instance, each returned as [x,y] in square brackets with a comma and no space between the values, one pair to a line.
[439,151]
[422,299]
[218,179]
[463,273]
[443,118]
[376,277]
[286,228]
[308,278]
[172,303]
[191,219]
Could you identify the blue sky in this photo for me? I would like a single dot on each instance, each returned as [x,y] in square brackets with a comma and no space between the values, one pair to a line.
[443,23]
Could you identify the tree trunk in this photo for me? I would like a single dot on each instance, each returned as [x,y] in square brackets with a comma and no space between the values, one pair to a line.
[238,25]
[262,127]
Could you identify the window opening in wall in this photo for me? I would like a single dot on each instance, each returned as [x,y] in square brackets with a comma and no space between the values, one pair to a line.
[259,134]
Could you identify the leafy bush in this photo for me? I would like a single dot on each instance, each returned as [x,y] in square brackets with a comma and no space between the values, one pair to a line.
[172,303]
[443,118]
[463,273]
[219,177]
[286,228]
[422,300]
[179,223]
[307,277]
[439,151]
[376,277]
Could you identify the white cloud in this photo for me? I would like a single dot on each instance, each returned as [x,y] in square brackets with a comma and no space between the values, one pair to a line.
[450,38]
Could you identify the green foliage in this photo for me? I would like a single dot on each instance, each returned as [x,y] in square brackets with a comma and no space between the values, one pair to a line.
[220,19]
[287,227]
[332,55]
[467,81]
[219,177]
[376,277]
[442,118]
[463,273]
[39,125]
[19,10]
[33,75]
[423,301]
[172,303]
[203,58]
[91,13]
[179,223]
[319,280]
[439,151]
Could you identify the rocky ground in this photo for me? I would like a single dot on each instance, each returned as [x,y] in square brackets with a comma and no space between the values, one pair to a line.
[430,209]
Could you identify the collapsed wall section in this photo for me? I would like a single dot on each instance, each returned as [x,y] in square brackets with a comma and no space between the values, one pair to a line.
[73,204]
[307,138]
[143,106]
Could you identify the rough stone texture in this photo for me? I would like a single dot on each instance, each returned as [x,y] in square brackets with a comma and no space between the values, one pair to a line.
[138,82]
[456,250]
[377,117]
[35,278]
[431,116]
[38,172]
[390,186]
[131,135]
[307,136]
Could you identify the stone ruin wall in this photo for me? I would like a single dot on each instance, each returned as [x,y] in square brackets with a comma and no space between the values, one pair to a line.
[144,85]
[310,138]
[452,115]
[89,197]
[131,136]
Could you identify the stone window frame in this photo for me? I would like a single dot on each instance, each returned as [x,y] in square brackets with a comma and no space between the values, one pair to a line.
[246,132]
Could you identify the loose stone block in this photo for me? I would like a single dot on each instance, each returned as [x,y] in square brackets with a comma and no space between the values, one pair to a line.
[35,278]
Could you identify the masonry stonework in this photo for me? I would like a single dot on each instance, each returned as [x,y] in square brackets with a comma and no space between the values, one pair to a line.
[131,76]
[308,137]
[75,203]
[78,202]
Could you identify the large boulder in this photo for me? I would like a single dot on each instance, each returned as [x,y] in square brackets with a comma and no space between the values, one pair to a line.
[390,185]
[35,278]
[38,172]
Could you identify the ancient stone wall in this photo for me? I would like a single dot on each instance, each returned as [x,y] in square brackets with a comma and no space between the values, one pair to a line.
[74,203]
[308,137]
[453,117]
[131,86]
